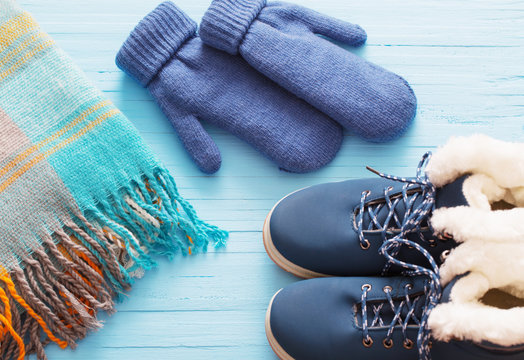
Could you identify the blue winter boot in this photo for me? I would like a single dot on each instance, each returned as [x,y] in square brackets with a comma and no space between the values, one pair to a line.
[336,229]
[470,307]
[386,318]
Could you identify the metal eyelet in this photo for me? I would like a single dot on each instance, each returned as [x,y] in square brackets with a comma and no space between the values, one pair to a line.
[367,342]
[388,343]
[409,286]
[444,236]
[366,245]
[387,289]
[444,255]
[433,243]
[408,344]
[366,287]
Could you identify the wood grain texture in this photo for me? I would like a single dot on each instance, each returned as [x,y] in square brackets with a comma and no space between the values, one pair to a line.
[464,61]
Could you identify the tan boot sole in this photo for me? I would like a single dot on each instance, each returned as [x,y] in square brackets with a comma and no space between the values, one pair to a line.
[279,351]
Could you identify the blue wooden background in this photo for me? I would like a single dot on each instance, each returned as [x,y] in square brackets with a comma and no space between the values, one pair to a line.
[464,60]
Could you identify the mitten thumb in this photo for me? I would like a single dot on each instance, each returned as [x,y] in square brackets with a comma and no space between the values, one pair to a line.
[226,22]
[320,24]
[197,142]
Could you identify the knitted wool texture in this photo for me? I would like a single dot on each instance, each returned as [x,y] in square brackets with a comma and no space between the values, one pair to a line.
[192,82]
[84,204]
[280,40]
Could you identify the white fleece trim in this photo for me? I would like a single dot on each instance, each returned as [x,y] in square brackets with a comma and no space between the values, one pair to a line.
[478,154]
[500,264]
[491,250]
[464,222]
[481,191]
[491,260]
[466,318]
[477,323]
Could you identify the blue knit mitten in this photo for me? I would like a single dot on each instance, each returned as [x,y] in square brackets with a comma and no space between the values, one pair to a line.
[192,82]
[280,40]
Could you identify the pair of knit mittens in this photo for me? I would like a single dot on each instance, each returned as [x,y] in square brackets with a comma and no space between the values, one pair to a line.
[266,77]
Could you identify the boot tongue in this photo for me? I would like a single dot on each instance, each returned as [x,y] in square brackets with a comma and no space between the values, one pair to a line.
[415,307]
[451,195]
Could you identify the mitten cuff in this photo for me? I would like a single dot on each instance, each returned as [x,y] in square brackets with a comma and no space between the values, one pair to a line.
[226,22]
[154,41]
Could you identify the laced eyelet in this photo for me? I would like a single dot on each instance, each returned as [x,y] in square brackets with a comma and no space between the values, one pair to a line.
[432,243]
[444,255]
[366,245]
[367,342]
[444,236]
[388,343]
[366,287]
[408,344]
[366,193]
[387,289]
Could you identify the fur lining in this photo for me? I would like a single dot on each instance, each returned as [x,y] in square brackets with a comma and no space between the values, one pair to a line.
[466,318]
[477,323]
[477,221]
[481,191]
[490,266]
[464,222]
[500,264]
[491,250]
[478,154]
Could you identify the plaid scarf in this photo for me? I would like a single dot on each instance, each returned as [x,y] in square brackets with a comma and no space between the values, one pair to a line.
[84,204]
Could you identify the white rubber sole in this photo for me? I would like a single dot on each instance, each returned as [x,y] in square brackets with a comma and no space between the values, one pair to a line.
[279,351]
[277,257]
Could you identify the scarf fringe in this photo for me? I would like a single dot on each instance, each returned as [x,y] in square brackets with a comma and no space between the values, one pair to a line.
[55,293]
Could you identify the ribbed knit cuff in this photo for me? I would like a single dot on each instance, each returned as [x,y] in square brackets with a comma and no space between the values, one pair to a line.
[154,41]
[226,22]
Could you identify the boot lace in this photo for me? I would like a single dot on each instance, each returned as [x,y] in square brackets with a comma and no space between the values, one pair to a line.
[409,217]
[433,290]
[403,310]
[390,248]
